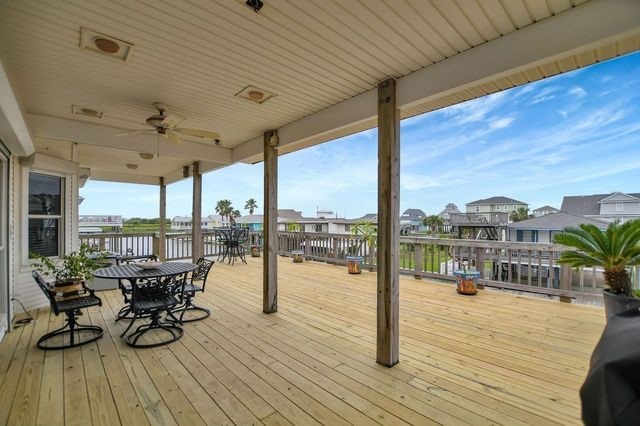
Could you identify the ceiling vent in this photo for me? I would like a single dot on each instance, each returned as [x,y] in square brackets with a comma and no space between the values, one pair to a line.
[104,44]
[87,112]
[254,94]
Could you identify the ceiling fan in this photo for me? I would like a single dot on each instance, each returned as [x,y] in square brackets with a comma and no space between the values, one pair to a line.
[167,125]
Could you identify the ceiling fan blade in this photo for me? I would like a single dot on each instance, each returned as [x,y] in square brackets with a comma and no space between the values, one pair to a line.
[198,133]
[173,138]
[134,132]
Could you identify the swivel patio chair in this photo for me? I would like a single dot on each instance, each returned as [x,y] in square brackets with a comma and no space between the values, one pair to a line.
[71,307]
[125,287]
[149,299]
[195,284]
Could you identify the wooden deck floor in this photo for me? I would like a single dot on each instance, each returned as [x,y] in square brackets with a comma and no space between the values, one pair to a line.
[490,359]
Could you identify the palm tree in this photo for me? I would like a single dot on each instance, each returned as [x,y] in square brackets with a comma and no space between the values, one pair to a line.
[233,214]
[434,222]
[614,249]
[521,213]
[223,208]
[251,205]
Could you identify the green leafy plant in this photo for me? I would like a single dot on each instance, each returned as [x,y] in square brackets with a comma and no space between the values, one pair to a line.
[75,265]
[615,249]
[433,222]
[520,214]
[368,231]
[251,205]
[294,227]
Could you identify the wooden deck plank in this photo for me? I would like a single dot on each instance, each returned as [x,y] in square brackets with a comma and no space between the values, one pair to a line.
[52,387]
[319,348]
[490,359]
[27,392]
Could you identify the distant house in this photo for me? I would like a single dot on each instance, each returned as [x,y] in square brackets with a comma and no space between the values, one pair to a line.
[412,219]
[289,214]
[495,205]
[445,214]
[183,223]
[253,221]
[609,207]
[543,228]
[544,210]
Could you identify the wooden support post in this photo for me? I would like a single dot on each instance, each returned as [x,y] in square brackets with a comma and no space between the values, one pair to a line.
[196,216]
[162,231]
[480,264]
[565,281]
[270,258]
[418,261]
[388,338]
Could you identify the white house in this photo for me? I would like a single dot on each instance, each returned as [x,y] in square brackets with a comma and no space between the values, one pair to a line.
[184,223]
[542,229]
[541,211]
[608,207]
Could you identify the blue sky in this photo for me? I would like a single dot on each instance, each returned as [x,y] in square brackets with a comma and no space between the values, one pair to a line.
[577,133]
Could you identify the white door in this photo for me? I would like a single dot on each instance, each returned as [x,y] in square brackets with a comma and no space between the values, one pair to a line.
[4,251]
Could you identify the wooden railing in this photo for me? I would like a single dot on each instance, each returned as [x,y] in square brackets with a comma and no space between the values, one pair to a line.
[529,267]
[177,244]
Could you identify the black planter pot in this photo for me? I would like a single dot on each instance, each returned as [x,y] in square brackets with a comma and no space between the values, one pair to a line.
[614,304]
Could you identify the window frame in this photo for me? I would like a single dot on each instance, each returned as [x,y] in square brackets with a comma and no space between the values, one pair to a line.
[61,218]
[619,207]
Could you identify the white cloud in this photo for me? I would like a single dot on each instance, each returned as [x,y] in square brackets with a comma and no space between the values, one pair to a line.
[563,113]
[578,92]
[544,95]
[501,123]
[416,182]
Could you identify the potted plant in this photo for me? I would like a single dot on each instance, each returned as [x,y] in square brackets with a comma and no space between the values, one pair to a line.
[615,249]
[368,232]
[70,271]
[466,280]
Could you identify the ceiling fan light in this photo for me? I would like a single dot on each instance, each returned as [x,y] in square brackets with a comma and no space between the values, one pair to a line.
[146,155]
[132,166]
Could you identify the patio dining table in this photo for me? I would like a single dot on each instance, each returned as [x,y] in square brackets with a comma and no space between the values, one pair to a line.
[152,292]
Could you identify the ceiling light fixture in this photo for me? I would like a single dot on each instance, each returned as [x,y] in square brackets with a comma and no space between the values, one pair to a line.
[146,155]
[132,166]
[254,94]
[254,5]
[87,112]
[105,44]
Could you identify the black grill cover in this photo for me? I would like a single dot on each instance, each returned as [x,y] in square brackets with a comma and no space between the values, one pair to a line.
[611,393]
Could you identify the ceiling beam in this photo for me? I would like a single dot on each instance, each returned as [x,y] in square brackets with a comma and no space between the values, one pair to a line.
[100,135]
[580,29]
[14,132]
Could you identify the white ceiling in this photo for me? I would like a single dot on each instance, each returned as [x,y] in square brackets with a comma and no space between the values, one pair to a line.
[195,56]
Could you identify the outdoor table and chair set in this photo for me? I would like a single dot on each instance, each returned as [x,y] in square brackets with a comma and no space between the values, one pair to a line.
[158,300]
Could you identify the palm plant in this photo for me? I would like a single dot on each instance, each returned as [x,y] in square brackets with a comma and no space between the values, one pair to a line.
[433,222]
[251,205]
[520,214]
[223,208]
[614,249]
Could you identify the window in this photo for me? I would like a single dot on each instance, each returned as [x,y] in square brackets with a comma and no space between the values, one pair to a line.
[347,228]
[477,208]
[497,207]
[45,214]
[619,207]
[317,227]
